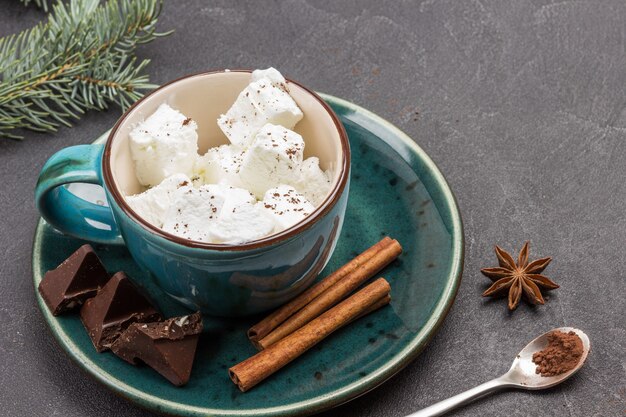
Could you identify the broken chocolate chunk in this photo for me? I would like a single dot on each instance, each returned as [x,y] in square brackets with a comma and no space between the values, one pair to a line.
[117,305]
[78,278]
[168,347]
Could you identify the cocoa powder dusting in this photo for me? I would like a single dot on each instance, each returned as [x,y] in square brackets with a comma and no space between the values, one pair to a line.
[562,354]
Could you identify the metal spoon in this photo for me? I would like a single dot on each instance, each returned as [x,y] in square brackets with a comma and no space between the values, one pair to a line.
[521,375]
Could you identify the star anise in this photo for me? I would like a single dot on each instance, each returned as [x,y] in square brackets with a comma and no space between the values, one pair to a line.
[523,277]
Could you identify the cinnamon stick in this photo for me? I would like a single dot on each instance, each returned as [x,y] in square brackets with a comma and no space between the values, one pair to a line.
[332,295]
[253,370]
[265,326]
[379,304]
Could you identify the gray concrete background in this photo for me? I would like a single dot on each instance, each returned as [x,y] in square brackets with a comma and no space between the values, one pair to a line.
[521,104]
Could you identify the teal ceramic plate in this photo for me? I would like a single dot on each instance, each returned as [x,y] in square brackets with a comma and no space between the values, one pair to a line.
[396,190]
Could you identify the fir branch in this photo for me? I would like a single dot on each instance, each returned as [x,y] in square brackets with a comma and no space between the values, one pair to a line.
[42,4]
[82,58]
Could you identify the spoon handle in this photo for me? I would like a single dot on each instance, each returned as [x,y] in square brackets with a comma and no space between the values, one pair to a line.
[463,398]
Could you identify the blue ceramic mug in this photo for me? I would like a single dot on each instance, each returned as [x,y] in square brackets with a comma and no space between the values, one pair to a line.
[218,279]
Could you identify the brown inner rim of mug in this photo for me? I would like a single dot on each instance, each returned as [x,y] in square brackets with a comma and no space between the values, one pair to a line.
[328,203]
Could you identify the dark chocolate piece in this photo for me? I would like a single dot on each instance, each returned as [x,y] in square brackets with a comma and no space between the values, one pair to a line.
[117,305]
[78,278]
[168,347]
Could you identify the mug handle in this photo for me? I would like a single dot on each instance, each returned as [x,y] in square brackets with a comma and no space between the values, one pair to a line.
[65,211]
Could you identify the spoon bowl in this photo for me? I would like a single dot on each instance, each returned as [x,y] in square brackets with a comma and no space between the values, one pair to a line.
[523,371]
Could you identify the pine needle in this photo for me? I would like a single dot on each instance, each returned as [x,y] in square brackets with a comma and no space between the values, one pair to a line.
[81,59]
[42,4]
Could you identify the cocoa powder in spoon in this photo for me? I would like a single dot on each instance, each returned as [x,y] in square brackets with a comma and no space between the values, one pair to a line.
[562,354]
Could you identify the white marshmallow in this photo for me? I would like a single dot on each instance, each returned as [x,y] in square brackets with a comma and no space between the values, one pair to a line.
[241,121]
[220,165]
[272,74]
[311,181]
[152,205]
[272,159]
[166,143]
[286,206]
[231,196]
[244,223]
[192,214]
[261,102]
[275,103]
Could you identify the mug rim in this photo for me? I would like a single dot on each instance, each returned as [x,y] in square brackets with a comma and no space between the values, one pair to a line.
[320,211]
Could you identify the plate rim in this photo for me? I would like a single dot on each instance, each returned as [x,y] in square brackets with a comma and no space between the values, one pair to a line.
[321,402]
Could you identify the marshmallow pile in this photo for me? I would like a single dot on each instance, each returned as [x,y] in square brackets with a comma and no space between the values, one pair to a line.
[257,185]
